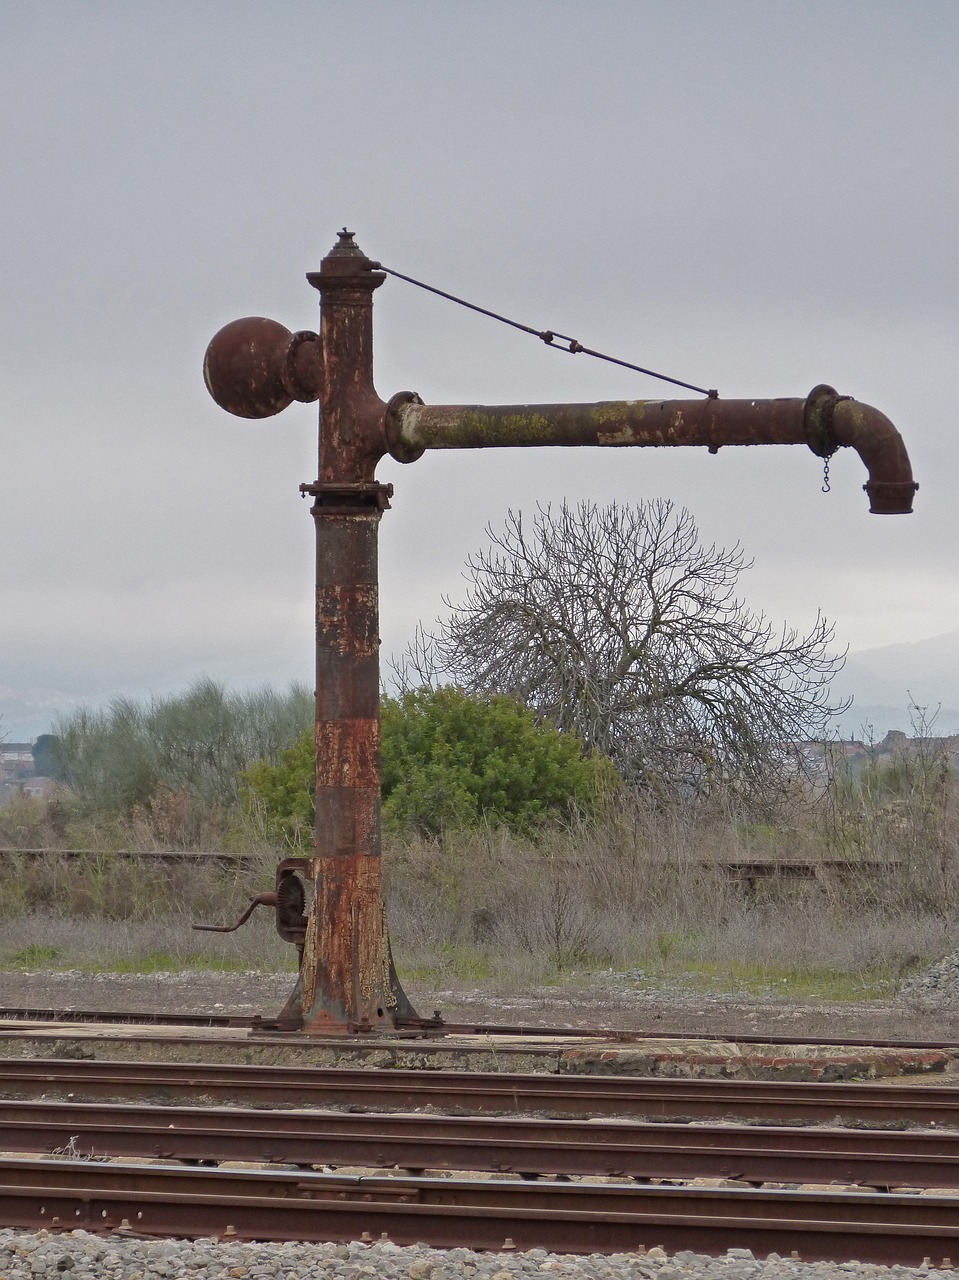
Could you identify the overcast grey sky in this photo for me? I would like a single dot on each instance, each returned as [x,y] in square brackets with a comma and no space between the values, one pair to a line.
[748,194]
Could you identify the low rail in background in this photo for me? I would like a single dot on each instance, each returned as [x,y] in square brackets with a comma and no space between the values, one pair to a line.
[747,872]
[171,856]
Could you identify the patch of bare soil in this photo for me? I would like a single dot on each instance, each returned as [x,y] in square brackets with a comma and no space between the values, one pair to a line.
[598,1005]
[690,1014]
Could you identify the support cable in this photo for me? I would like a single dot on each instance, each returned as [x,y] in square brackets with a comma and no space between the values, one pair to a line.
[549,336]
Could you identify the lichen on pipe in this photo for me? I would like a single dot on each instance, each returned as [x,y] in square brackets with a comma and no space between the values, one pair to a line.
[824,421]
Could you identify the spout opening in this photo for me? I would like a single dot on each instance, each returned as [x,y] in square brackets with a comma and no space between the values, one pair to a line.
[890,497]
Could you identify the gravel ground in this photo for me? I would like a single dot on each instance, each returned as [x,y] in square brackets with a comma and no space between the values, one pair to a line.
[937,987]
[79,1254]
[928,1009]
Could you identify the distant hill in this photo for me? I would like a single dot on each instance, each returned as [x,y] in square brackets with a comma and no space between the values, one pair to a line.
[886,681]
[882,681]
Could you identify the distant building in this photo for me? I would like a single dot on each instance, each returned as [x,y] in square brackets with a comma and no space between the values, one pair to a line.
[16,760]
[821,759]
[18,776]
[38,788]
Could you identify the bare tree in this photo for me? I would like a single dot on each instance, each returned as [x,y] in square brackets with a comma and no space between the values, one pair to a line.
[617,623]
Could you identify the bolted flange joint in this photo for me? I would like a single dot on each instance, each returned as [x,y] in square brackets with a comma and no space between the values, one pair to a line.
[818,419]
[392,428]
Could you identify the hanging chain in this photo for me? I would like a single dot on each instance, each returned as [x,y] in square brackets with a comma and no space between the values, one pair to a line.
[825,474]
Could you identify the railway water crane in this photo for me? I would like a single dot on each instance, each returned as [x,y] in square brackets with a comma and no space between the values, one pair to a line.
[331,905]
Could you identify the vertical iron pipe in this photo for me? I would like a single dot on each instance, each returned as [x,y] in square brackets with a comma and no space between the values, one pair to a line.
[347,980]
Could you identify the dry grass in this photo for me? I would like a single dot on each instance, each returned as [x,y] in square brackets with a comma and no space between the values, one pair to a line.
[636,895]
[633,891]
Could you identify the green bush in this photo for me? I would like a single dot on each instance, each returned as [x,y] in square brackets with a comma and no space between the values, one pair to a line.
[282,793]
[194,745]
[449,761]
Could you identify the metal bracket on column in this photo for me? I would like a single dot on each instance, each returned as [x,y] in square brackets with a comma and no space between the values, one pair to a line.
[345,498]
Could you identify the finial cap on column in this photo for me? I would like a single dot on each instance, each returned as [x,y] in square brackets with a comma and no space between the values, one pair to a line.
[346,246]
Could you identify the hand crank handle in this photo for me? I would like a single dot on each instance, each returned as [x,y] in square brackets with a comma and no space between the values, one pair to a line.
[267,899]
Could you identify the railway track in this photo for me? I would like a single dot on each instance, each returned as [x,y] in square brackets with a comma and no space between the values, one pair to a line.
[434,1039]
[88,1189]
[444,1213]
[871,1105]
[879,1160]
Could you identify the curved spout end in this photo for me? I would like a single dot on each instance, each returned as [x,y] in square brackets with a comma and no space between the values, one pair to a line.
[832,421]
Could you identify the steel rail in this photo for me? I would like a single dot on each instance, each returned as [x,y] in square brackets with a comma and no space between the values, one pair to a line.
[478,1214]
[603,1197]
[879,1160]
[124,1017]
[170,856]
[467,1091]
[750,868]
[433,1040]
[539,1040]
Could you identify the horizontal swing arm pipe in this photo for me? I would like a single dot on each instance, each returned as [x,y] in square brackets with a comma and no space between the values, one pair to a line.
[824,421]
[611,423]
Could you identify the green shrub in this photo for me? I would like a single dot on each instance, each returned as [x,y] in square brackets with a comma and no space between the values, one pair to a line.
[282,793]
[449,761]
[191,747]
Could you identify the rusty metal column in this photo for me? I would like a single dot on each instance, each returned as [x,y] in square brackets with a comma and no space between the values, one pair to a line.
[347,979]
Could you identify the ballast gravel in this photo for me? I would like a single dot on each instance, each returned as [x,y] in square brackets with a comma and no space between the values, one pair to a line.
[936,986]
[78,1254]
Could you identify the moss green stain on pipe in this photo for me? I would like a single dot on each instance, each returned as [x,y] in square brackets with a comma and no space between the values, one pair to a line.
[479,426]
[619,411]
[515,428]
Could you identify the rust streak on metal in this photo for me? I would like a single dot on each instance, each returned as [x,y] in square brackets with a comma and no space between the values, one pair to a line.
[348,750]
